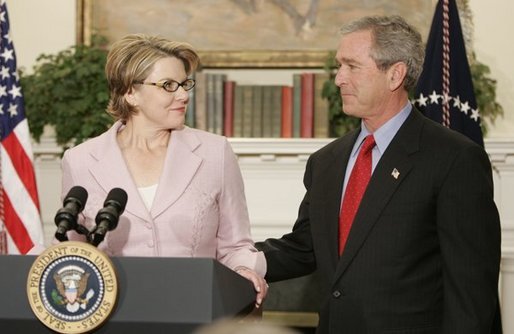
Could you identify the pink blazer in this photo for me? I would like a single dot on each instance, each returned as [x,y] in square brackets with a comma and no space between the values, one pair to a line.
[199,208]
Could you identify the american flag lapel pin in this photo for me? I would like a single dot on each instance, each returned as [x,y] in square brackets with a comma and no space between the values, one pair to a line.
[395,173]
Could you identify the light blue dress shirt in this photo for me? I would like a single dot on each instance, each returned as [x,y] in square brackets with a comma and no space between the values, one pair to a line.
[383,137]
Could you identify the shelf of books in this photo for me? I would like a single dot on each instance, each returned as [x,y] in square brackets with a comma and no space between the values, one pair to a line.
[223,103]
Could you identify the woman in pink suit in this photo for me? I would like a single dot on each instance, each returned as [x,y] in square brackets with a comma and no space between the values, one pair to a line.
[184,186]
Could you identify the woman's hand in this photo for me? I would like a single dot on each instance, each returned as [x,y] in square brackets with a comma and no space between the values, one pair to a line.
[259,283]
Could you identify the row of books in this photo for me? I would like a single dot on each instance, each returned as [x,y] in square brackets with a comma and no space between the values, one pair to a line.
[227,108]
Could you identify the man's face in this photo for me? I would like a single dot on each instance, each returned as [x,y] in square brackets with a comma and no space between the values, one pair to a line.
[364,88]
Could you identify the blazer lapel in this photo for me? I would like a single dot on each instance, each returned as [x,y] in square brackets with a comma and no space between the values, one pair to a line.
[180,166]
[382,185]
[110,171]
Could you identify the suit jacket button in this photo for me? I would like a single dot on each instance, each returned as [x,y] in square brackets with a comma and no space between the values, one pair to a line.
[336,294]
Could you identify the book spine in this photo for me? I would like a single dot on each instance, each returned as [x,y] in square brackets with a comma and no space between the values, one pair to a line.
[297,101]
[247,110]
[219,79]
[200,101]
[238,111]
[228,108]
[211,102]
[287,112]
[307,106]
[257,111]
[321,107]
[276,111]
[267,110]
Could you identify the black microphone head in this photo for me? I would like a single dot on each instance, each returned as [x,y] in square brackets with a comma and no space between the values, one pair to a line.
[78,195]
[66,217]
[117,197]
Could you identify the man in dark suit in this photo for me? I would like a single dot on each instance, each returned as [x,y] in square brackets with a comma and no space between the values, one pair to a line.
[421,252]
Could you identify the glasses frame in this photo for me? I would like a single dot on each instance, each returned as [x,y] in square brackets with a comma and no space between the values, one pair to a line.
[164,83]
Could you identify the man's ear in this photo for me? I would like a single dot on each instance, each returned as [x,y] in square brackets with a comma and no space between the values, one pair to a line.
[396,75]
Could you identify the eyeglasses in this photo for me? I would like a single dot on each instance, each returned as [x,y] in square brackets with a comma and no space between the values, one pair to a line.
[170,85]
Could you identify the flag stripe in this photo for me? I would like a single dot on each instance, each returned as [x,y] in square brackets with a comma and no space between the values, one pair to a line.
[15,228]
[22,165]
[11,246]
[21,202]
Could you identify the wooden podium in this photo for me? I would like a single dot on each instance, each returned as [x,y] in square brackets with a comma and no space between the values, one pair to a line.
[155,295]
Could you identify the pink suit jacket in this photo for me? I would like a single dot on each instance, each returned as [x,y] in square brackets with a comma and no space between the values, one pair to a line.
[199,208]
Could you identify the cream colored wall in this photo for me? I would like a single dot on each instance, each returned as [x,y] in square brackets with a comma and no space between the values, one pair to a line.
[493,46]
[37,27]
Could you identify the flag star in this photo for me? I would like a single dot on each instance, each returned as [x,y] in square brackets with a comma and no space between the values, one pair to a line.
[7,54]
[474,114]
[434,98]
[16,76]
[8,38]
[464,107]
[3,90]
[422,100]
[2,17]
[456,102]
[4,72]
[13,109]
[15,91]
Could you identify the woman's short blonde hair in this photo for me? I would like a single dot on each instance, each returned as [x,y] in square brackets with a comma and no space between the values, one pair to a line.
[131,59]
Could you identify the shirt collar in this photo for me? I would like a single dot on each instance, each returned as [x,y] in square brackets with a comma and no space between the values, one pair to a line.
[385,134]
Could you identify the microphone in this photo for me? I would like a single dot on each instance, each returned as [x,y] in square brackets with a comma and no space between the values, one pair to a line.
[107,217]
[66,217]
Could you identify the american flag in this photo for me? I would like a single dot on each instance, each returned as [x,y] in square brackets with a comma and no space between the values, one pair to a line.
[20,226]
[445,90]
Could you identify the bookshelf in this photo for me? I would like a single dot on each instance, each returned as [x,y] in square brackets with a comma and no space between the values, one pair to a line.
[260,103]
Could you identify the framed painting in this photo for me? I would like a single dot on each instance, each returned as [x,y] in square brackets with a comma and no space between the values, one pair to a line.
[244,33]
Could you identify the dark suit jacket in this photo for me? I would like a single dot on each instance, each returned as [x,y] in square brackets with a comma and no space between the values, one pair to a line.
[423,253]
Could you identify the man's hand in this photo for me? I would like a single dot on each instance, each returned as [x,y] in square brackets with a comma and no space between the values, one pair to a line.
[259,283]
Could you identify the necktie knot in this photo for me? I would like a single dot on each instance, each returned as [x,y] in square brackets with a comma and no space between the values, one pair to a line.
[369,143]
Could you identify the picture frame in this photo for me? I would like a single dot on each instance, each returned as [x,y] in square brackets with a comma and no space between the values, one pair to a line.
[244,33]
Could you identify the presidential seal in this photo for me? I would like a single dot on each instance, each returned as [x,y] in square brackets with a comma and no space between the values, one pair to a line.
[72,287]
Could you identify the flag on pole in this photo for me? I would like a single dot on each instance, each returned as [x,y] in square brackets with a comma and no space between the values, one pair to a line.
[20,223]
[445,91]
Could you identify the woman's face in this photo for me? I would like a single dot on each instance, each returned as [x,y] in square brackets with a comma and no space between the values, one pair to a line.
[156,106]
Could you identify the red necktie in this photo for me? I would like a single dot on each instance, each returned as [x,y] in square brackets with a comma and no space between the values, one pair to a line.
[359,179]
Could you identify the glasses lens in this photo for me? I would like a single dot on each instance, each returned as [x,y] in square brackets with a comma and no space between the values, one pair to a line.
[188,84]
[170,86]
